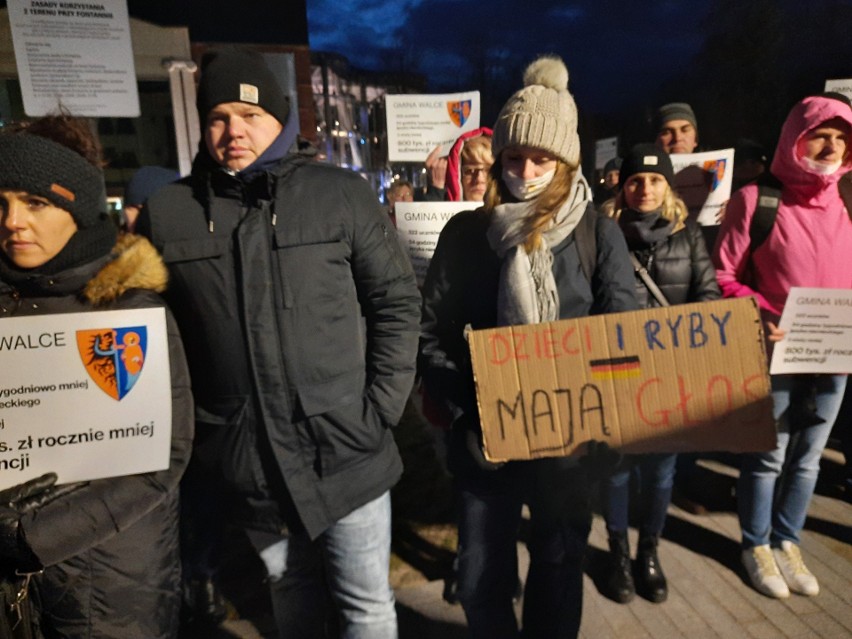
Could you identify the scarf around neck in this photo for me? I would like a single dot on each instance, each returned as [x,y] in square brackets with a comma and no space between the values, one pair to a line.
[527,292]
[644,230]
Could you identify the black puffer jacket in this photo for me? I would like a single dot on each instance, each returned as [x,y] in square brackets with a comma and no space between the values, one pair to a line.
[680,266]
[299,312]
[111,547]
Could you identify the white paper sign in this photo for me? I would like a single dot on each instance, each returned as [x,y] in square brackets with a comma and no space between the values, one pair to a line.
[76,55]
[818,322]
[419,224]
[419,123]
[84,395]
[840,86]
[704,181]
[605,150]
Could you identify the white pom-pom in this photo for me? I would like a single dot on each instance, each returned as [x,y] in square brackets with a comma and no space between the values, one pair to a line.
[548,71]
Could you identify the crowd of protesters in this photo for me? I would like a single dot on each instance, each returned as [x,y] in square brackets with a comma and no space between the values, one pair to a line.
[296,328]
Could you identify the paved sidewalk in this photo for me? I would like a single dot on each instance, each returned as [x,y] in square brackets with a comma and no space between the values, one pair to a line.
[708,594]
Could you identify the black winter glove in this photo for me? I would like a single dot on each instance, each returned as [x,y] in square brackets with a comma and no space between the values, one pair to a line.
[600,460]
[14,502]
[474,444]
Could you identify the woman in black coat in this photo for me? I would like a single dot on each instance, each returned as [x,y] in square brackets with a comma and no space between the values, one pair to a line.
[105,551]
[671,250]
[520,260]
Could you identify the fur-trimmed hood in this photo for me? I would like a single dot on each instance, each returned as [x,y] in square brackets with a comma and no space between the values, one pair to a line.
[135,264]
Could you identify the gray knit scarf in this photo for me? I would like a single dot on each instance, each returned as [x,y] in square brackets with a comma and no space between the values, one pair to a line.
[527,291]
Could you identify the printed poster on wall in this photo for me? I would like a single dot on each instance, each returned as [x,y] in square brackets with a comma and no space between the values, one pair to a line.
[76,55]
[84,395]
[704,182]
[419,123]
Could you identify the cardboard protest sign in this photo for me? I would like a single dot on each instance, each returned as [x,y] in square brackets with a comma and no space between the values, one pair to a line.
[84,395]
[419,225]
[691,377]
[419,123]
[703,181]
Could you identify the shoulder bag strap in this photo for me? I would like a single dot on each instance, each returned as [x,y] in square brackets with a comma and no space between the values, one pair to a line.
[649,283]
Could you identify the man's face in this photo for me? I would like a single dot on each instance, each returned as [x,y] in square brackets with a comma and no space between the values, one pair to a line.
[237,133]
[677,136]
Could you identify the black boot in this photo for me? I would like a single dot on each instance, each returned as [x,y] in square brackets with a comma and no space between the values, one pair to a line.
[619,581]
[650,580]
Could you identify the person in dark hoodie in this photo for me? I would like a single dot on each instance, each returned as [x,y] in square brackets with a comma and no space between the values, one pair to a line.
[300,314]
[105,551]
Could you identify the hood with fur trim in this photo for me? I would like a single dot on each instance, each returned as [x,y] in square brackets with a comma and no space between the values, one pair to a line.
[135,264]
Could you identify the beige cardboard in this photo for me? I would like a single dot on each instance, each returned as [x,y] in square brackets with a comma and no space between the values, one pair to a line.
[691,377]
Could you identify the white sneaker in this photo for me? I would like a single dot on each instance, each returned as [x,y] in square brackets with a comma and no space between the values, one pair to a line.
[796,574]
[763,572]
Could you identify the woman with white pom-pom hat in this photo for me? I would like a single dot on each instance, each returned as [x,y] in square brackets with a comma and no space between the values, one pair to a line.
[535,252]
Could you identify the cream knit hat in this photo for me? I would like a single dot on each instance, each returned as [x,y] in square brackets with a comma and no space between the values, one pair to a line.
[542,114]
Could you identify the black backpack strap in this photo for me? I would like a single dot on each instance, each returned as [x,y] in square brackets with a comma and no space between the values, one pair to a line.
[768,200]
[586,242]
[845,188]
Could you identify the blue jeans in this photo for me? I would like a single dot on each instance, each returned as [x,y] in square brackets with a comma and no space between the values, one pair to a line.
[560,520]
[351,560]
[656,477]
[775,488]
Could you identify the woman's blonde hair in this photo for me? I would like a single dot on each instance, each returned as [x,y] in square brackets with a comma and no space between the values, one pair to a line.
[546,205]
[477,151]
[673,209]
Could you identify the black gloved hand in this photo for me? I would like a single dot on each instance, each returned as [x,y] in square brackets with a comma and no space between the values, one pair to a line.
[14,502]
[475,446]
[600,460]
[464,450]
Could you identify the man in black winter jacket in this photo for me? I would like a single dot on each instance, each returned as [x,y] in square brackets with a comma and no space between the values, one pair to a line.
[301,316]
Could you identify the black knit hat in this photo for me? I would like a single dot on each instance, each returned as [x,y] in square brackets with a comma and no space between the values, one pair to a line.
[646,158]
[50,170]
[239,75]
[613,164]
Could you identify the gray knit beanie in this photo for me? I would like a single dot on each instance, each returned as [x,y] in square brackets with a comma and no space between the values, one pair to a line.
[542,115]
[50,170]
[674,111]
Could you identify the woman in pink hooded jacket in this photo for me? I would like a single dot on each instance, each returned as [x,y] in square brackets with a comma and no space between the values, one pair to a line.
[808,245]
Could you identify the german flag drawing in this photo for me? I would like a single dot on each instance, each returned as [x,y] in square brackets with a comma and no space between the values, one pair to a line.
[615,368]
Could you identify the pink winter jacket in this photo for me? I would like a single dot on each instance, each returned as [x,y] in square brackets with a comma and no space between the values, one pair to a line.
[811,241]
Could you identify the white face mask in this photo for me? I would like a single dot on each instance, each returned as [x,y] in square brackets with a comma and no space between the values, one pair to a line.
[820,168]
[526,189]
